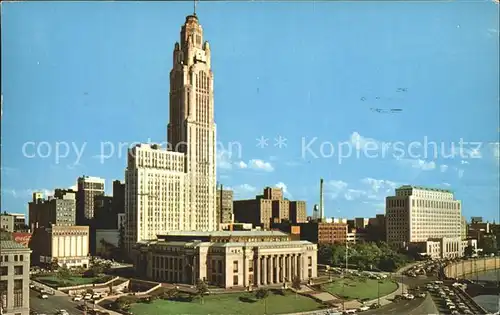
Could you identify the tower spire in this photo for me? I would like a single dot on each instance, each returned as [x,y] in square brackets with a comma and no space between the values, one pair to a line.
[194,12]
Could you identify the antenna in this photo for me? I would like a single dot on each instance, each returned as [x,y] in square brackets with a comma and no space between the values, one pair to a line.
[195,7]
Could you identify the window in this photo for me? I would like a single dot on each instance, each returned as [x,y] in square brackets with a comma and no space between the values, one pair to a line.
[15,258]
[3,293]
[21,257]
[3,271]
[310,273]
[235,280]
[235,266]
[18,270]
[310,261]
[18,293]
[6,258]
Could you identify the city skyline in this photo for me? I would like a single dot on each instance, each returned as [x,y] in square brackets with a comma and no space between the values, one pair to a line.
[125,84]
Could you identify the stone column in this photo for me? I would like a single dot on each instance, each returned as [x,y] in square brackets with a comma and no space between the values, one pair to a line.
[279,261]
[292,265]
[289,267]
[299,266]
[256,272]
[271,270]
[264,269]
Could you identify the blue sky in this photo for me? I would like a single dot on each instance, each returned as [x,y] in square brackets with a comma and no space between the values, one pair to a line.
[92,73]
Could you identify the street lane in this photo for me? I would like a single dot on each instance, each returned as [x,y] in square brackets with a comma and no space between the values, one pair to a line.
[53,304]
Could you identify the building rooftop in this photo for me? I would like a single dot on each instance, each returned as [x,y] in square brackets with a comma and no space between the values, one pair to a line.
[225,233]
[9,245]
[425,188]
[229,244]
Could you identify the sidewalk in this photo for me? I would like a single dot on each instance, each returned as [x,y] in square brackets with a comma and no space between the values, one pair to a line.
[387,299]
[47,288]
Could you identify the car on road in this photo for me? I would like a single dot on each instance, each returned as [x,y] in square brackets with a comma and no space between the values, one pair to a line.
[408,296]
[77,298]
[363,308]
[62,312]
[44,296]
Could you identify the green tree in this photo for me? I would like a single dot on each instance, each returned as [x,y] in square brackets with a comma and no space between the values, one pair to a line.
[489,244]
[296,285]
[262,294]
[469,251]
[201,289]
[54,265]
[64,274]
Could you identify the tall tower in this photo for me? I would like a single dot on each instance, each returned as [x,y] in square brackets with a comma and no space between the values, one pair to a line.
[321,200]
[191,129]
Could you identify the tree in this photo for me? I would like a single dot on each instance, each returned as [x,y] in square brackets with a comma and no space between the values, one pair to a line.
[489,244]
[54,265]
[262,294]
[469,251]
[201,289]
[296,285]
[64,274]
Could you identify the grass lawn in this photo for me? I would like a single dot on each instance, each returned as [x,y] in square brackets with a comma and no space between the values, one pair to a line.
[54,281]
[358,289]
[233,303]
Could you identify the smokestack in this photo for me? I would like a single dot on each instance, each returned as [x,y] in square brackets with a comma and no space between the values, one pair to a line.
[321,205]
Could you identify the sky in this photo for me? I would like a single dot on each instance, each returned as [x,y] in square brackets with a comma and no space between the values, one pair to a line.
[391,87]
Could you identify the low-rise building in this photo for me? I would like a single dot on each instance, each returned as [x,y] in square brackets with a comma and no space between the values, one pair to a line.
[227,259]
[14,278]
[317,232]
[7,222]
[68,245]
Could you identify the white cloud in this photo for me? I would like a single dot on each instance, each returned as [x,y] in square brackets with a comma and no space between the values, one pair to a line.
[443,168]
[225,162]
[464,162]
[419,164]
[377,185]
[360,142]
[241,164]
[260,165]
[26,193]
[353,194]
[74,187]
[333,188]
[446,184]
[284,187]
[243,191]
[224,159]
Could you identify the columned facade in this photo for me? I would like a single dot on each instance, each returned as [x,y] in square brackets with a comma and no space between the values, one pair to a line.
[229,264]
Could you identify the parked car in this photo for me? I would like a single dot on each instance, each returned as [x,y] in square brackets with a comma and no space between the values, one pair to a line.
[77,298]
[44,296]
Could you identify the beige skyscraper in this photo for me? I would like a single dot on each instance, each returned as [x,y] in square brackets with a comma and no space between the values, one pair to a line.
[191,129]
[175,189]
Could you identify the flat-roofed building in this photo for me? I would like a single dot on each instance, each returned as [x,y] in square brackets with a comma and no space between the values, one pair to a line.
[418,214]
[224,206]
[14,278]
[317,232]
[227,259]
[68,245]
[59,209]
[270,207]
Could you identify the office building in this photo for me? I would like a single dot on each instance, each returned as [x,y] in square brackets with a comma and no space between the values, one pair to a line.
[418,214]
[224,206]
[68,245]
[118,197]
[155,194]
[7,222]
[361,223]
[270,207]
[186,171]
[88,188]
[14,278]
[59,209]
[375,230]
[317,232]
[237,259]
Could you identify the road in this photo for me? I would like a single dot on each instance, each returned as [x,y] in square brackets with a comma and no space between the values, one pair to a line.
[53,304]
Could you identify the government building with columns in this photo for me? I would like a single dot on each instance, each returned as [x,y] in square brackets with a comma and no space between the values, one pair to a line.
[227,259]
